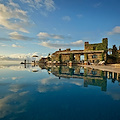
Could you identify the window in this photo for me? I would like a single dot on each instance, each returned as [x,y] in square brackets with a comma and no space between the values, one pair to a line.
[94,56]
[94,48]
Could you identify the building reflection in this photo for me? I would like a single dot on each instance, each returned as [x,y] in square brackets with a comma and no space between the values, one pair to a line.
[91,76]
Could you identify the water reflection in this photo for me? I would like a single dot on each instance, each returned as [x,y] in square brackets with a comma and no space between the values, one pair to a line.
[34,91]
[12,104]
[91,76]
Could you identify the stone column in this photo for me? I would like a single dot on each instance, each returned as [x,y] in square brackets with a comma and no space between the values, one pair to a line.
[117,76]
[108,75]
[113,75]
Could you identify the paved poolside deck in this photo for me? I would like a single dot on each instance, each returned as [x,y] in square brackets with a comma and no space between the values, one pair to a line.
[109,68]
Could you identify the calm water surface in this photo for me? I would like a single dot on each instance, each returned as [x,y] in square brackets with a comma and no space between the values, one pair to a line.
[58,93]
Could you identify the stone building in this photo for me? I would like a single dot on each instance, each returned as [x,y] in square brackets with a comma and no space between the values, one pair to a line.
[92,53]
[119,53]
[43,60]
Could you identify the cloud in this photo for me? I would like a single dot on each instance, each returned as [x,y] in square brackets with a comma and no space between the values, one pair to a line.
[116,30]
[11,3]
[61,45]
[66,18]
[17,36]
[46,36]
[79,15]
[3,45]
[47,5]
[5,39]
[20,57]
[18,46]
[8,58]
[13,18]
[97,5]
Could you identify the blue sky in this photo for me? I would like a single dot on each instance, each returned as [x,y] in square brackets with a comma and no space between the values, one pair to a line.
[40,27]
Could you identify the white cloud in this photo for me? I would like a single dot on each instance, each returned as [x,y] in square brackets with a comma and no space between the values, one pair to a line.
[116,30]
[18,46]
[46,36]
[61,45]
[5,39]
[33,3]
[66,18]
[3,45]
[13,18]
[77,43]
[79,15]
[48,5]
[11,3]
[97,5]
[20,57]
[17,36]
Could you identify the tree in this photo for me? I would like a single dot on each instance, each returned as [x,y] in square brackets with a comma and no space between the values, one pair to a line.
[86,57]
[114,52]
[114,57]
[49,57]
[102,57]
[60,58]
[71,57]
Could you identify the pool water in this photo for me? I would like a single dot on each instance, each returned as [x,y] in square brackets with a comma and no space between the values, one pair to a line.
[58,93]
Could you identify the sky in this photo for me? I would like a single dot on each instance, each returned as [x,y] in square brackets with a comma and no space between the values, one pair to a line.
[40,27]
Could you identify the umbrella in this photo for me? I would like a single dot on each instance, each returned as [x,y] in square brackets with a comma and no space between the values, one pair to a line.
[34,56]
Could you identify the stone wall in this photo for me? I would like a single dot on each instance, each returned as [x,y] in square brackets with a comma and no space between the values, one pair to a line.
[119,53]
[94,57]
[65,57]
[55,57]
[99,46]
[91,52]
[77,57]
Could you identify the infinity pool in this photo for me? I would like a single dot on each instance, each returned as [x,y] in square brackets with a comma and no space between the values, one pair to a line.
[58,93]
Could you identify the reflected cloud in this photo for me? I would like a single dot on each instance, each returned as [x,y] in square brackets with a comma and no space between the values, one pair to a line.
[16,78]
[6,108]
[78,83]
[53,83]
[114,92]
[17,87]
[10,78]
[23,93]
[78,76]
[43,89]
[19,67]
